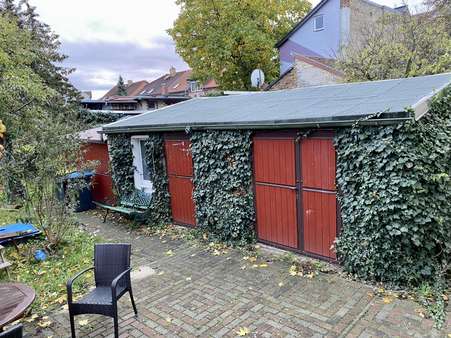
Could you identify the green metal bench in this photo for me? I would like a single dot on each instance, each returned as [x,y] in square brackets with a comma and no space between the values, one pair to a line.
[136,203]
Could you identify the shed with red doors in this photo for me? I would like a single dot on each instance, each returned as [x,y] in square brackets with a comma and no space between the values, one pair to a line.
[95,148]
[293,155]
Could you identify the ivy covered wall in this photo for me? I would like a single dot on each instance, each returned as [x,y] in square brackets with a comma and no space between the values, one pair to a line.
[223,191]
[395,192]
[121,161]
[160,210]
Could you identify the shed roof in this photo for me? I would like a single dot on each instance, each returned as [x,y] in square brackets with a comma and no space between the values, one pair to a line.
[330,105]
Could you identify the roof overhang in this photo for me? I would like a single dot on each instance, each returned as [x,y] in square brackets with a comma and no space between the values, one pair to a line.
[382,119]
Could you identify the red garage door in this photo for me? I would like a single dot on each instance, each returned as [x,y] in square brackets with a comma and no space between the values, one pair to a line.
[180,173]
[295,195]
[318,195]
[275,189]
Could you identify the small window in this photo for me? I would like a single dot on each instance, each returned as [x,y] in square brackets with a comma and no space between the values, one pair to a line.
[318,23]
[143,174]
[194,86]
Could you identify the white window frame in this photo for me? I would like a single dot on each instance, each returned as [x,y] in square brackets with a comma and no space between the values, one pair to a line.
[140,182]
[316,29]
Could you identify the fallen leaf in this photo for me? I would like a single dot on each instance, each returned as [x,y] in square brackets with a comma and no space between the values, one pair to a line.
[44,324]
[255,266]
[280,284]
[387,300]
[245,258]
[243,267]
[169,253]
[243,331]
[263,265]
[188,279]
[252,259]
[293,270]
[160,273]
[169,320]
[83,322]
[216,253]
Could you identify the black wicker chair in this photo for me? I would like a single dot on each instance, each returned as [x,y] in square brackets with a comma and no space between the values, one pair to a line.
[112,279]
[13,332]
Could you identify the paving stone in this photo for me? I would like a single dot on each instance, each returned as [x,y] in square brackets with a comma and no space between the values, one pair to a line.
[220,298]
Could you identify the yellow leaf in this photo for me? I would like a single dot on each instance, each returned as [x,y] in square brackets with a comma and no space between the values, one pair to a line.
[169,253]
[263,265]
[387,300]
[252,259]
[44,324]
[169,320]
[216,253]
[83,322]
[243,331]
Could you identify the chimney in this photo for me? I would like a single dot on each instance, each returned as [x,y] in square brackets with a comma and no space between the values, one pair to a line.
[164,89]
[129,82]
[172,71]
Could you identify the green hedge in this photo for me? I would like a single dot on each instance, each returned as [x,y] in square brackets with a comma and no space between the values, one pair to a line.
[223,184]
[159,211]
[97,118]
[395,192]
[122,169]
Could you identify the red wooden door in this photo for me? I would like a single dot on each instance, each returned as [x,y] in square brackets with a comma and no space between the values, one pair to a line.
[319,204]
[275,190]
[102,183]
[180,173]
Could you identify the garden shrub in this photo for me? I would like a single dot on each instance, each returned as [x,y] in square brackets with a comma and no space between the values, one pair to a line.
[160,210]
[122,169]
[395,191]
[98,118]
[223,184]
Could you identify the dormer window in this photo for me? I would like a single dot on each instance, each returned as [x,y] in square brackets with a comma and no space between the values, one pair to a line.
[194,86]
[318,23]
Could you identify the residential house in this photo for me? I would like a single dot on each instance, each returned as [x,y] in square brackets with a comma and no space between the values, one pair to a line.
[173,87]
[307,52]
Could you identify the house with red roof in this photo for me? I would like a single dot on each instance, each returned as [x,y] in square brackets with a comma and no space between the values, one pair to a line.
[170,88]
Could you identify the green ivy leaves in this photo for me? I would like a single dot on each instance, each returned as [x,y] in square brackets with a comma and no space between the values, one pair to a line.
[395,193]
[122,169]
[223,184]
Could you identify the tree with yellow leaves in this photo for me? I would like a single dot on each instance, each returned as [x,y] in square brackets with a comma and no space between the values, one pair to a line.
[226,40]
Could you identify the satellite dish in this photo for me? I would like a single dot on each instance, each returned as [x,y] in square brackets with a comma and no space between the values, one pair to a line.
[257,78]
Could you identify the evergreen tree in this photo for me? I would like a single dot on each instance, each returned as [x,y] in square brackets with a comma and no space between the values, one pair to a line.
[121,87]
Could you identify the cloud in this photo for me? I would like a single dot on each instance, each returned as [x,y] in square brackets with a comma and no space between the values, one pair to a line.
[99,63]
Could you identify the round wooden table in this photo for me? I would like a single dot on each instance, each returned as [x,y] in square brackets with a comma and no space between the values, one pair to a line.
[15,298]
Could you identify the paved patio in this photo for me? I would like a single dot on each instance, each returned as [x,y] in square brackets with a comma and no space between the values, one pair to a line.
[195,293]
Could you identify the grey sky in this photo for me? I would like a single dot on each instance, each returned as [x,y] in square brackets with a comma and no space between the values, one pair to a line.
[105,38]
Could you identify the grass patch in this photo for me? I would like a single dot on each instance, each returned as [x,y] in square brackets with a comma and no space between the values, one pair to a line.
[48,278]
